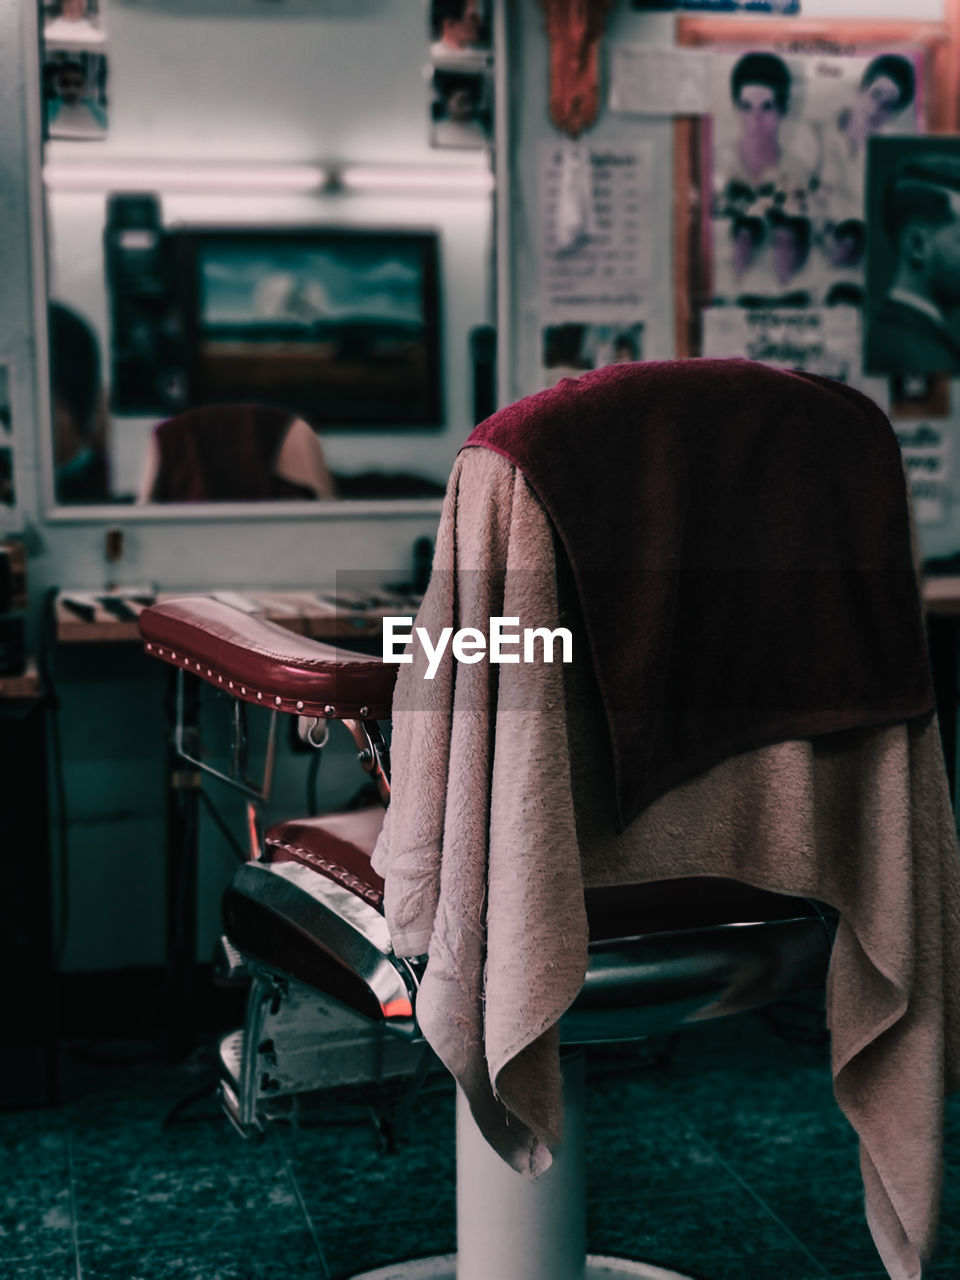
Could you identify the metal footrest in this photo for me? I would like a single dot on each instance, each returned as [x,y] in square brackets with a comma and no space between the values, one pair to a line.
[295,1040]
[229,965]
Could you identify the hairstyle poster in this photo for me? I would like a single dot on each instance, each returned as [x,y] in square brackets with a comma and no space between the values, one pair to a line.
[784,168]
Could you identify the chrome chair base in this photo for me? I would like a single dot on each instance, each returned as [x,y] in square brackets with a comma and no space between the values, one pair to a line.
[444,1267]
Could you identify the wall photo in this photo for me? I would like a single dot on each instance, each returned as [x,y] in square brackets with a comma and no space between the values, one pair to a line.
[74,24]
[913,263]
[459,32]
[75,94]
[461,108]
[572,349]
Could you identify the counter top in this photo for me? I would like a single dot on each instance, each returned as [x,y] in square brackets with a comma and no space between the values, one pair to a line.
[84,617]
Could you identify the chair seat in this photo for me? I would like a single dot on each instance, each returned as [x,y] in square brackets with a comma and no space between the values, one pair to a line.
[336,845]
[339,846]
[661,953]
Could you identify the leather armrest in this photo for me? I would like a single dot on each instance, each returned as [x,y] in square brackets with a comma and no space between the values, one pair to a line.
[259,662]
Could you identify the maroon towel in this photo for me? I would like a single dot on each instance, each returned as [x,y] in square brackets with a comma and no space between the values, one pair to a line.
[740,542]
[223,453]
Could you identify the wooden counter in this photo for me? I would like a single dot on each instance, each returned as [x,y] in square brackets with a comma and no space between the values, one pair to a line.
[322,615]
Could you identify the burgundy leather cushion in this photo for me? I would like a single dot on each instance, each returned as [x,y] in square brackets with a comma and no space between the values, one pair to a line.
[260,662]
[338,846]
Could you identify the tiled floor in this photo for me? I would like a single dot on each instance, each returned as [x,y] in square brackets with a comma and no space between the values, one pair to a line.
[730,1162]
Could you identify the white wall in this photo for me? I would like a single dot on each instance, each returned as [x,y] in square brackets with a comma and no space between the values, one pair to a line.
[248,80]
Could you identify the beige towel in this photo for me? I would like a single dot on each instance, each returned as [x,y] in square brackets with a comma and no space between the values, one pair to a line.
[502,811]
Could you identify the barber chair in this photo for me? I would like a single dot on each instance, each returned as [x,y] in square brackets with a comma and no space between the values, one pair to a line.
[304,918]
[235,453]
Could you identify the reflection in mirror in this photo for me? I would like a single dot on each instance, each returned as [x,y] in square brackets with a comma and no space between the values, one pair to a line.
[208,272]
[250,453]
[80,449]
[235,453]
[340,324]
[326,324]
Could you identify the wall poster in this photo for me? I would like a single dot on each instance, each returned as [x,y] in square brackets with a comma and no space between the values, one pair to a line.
[771,185]
[926,450]
[595,254]
[823,340]
[596,234]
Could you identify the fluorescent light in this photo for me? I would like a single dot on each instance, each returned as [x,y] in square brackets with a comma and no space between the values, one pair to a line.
[202,178]
[417,179]
[170,176]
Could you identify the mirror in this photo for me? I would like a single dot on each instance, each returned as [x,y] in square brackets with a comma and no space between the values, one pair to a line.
[230,318]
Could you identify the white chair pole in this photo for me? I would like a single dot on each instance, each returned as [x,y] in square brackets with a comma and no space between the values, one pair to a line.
[513,1229]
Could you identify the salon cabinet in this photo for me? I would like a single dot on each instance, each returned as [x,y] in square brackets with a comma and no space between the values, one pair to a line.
[28,1061]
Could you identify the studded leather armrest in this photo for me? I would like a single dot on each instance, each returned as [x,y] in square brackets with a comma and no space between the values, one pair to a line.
[259,662]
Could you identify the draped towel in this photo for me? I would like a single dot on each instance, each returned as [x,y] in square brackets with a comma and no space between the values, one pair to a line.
[503,810]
